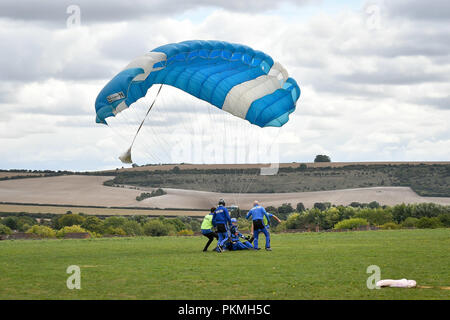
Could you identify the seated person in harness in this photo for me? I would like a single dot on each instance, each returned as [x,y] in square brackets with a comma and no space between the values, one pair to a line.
[235,243]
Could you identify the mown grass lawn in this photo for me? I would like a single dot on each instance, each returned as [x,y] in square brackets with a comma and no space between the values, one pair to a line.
[301,266]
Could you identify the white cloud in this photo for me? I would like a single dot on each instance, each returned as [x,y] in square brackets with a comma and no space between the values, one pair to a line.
[367,94]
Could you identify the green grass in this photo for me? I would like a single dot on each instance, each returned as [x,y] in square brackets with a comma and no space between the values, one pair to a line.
[301,266]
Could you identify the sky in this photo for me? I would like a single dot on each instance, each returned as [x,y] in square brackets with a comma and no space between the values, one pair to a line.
[374,75]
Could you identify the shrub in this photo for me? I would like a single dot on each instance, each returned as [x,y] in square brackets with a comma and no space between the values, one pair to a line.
[114,231]
[428,223]
[374,216]
[280,227]
[390,226]
[285,208]
[115,222]
[133,228]
[70,229]
[373,205]
[300,207]
[185,232]
[355,205]
[352,223]
[42,231]
[155,228]
[93,224]
[293,221]
[175,224]
[444,218]
[322,206]
[4,230]
[154,193]
[410,222]
[194,225]
[10,222]
[70,219]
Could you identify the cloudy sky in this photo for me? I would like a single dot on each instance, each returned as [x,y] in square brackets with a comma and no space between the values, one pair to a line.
[375,80]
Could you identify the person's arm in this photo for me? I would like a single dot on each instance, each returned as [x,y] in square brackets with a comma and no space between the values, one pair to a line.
[276,218]
[214,219]
[249,214]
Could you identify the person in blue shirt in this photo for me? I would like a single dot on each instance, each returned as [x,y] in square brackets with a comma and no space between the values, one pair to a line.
[235,243]
[221,220]
[257,213]
[266,223]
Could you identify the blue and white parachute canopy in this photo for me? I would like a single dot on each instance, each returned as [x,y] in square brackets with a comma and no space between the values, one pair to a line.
[235,78]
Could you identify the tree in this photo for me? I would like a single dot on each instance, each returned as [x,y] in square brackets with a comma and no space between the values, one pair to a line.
[322,158]
[176,169]
[4,230]
[70,219]
[285,208]
[115,222]
[322,206]
[272,209]
[428,223]
[133,228]
[10,222]
[374,205]
[93,224]
[300,207]
[155,228]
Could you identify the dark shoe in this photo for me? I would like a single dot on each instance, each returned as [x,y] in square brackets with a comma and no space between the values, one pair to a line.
[269,249]
[256,248]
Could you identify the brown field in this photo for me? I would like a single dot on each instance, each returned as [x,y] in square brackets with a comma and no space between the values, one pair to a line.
[16,174]
[282,165]
[97,211]
[89,191]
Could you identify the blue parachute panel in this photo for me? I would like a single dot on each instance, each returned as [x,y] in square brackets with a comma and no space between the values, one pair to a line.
[208,70]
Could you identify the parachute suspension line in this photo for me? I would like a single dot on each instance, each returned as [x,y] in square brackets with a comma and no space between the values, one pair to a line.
[148,111]
[126,157]
[253,177]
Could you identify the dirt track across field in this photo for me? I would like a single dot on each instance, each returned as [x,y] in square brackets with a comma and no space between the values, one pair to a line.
[90,191]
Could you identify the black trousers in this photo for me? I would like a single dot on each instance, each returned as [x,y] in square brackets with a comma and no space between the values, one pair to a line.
[210,237]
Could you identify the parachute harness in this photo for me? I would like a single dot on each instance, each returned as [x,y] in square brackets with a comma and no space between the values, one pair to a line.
[126,157]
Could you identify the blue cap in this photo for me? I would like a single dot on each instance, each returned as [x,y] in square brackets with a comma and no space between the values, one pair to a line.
[233,220]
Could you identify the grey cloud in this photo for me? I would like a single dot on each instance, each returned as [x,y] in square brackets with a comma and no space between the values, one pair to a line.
[392,77]
[419,9]
[439,103]
[109,10]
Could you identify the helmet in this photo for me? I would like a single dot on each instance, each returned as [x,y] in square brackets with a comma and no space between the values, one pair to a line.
[221,202]
[233,220]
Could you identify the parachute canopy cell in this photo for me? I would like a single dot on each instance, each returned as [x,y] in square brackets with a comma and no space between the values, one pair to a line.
[233,77]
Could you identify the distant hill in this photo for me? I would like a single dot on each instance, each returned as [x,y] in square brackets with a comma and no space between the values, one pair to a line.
[187,166]
[431,179]
[425,178]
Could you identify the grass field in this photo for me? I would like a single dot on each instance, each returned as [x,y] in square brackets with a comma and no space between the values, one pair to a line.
[301,266]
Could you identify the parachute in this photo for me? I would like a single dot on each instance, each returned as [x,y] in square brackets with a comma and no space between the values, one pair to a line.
[235,78]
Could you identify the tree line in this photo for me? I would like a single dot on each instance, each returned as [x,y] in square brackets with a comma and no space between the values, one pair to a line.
[323,216]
